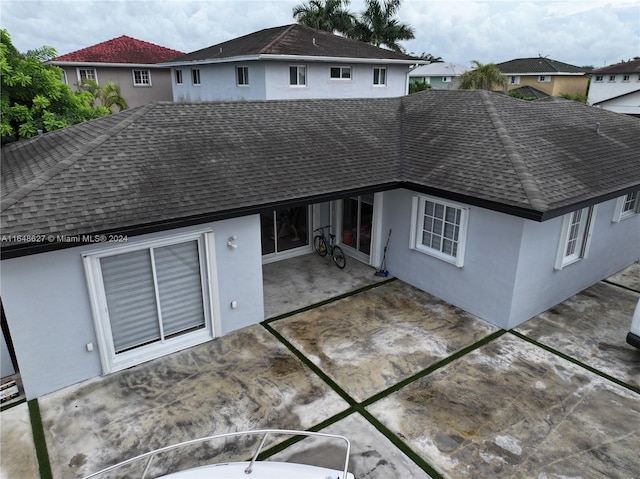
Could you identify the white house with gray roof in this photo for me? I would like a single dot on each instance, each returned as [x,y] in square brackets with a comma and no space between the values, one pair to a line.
[440,75]
[616,88]
[290,62]
[133,233]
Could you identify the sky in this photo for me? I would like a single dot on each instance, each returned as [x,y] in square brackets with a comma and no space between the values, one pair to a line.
[578,32]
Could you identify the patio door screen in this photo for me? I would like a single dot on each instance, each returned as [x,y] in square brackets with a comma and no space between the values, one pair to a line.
[153,300]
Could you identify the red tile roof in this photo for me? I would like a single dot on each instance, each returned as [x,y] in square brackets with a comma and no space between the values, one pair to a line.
[123,49]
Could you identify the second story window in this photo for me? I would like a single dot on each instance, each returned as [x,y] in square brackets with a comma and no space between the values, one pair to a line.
[340,73]
[141,78]
[626,77]
[297,75]
[514,80]
[544,78]
[87,74]
[242,76]
[612,78]
[195,76]
[178,77]
[599,78]
[380,76]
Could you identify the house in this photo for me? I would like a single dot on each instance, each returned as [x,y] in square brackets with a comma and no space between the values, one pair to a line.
[549,76]
[290,62]
[137,234]
[130,63]
[617,88]
[440,75]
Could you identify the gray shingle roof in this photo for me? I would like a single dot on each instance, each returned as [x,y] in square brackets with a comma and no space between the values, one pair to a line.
[292,40]
[165,163]
[632,66]
[537,65]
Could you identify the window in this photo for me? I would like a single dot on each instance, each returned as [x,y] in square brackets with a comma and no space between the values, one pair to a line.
[195,76]
[242,75]
[87,74]
[141,78]
[612,78]
[599,78]
[575,237]
[150,299]
[626,78]
[340,73]
[297,75]
[446,79]
[514,80]
[627,206]
[63,77]
[178,77]
[439,229]
[544,78]
[380,76]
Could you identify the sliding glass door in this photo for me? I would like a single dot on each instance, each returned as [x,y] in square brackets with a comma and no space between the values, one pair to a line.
[284,230]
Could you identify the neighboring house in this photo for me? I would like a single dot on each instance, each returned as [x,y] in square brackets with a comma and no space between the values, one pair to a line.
[617,88]
[440,75]
[126,61]
[290,62]
[137,234]
[549,76]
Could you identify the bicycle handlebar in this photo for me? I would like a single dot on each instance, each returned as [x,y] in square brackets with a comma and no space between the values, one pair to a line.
[321,228]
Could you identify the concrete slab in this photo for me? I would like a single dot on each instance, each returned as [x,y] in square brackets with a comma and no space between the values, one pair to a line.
[511,409]
[17,450]
[628,277]
[310,279]
[368,342]
[372,454]
[245,380]
[591,327]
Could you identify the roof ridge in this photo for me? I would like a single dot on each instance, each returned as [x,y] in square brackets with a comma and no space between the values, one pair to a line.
[526,178]
[283,33]
[19,193]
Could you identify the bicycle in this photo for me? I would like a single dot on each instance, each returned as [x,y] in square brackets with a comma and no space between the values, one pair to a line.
[322,246]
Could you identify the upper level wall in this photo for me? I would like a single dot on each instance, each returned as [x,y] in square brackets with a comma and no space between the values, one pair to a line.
[48,307]
[610,86]
[556,86]
[160,89]
[269,80]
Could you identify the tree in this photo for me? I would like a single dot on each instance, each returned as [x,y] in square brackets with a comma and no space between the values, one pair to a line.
[377,25]
[416,86]
[108,96]
[328,15]
[33,97]
[429,57]
[483,77]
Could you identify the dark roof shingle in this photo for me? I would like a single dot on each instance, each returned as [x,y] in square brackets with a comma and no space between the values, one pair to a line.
[632,66]
[292,40]
[166,163]
[538,65]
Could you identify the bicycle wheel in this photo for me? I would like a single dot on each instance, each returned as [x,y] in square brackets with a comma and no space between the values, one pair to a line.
[320,245]
[338,257]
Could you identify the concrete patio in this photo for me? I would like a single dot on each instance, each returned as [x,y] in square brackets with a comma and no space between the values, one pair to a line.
[420,387]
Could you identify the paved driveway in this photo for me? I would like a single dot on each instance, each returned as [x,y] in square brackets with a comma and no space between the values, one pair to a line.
[421,388]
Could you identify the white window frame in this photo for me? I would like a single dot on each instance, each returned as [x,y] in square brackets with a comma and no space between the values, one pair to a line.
[195,75]
[142,82]
[544,78]
[342,70]
[179,79]
[417,214]
[599,78]
[245,76]
[626,206]
[626,78]
[298,68]
[612,78]
[577,232]
[112,362]
[81,69]
[63,77]
[446,79]
[514,79]
[382,76]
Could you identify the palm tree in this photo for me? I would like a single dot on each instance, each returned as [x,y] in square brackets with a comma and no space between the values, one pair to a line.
[377,26]
[483,77]
[328,15]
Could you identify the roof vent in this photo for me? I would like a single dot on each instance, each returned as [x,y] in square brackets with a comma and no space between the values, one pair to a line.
[220,49]
[40,133]
[314,40]
[597,127]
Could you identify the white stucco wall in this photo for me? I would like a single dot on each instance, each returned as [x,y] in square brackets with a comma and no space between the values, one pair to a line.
[508,274]
[605,89]
[269,80]
[48,309]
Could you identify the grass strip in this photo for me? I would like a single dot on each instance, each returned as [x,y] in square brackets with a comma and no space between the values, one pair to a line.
[577,362]
[329,301]
[432,368]
[39,440]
